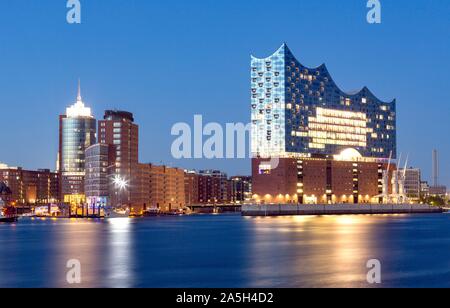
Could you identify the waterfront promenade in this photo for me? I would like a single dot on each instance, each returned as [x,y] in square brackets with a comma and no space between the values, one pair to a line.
[338,209]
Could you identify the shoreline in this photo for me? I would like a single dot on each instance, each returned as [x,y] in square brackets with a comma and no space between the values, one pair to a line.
[286,210]
[340,209]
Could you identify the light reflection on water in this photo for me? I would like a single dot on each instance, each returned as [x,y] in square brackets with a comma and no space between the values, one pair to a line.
[320,251]
[75,239]
[120,258]
[228,251]
[333,251]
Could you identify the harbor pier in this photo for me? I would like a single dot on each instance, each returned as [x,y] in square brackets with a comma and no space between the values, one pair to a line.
[338,209]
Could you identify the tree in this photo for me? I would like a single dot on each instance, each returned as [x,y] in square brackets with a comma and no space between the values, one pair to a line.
[434,201]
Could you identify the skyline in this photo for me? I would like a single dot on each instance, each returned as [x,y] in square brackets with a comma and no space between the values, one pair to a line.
[81,53]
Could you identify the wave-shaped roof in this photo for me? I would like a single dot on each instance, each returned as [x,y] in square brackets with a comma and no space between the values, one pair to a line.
[365,91]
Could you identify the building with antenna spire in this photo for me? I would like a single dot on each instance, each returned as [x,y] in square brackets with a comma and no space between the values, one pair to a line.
[77,132]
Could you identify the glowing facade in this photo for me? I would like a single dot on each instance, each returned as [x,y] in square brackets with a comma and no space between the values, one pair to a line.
[77,132]
[99,165]
[300,110]
[30,187]
[331,146]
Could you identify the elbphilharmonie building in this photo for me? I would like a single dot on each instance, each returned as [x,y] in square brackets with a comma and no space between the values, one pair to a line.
[331,146]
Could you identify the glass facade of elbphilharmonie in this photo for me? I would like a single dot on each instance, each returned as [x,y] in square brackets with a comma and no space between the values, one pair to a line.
[300,110]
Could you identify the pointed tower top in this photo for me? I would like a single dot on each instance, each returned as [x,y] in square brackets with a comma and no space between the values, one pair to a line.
[79,99]
[78,109]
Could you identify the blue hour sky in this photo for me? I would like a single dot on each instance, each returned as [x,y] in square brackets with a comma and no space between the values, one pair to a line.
[168,60]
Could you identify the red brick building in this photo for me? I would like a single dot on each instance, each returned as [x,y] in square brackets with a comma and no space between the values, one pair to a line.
[191,182]
[318,181]
[334,147]
[119,130]
[31,188]
[207,187]
[161,188]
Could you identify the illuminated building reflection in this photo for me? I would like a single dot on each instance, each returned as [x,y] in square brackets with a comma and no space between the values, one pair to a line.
[311,251]
[119,260]
[76,240]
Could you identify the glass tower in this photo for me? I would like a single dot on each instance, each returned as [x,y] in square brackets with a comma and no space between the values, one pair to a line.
[77,133]
[300,111]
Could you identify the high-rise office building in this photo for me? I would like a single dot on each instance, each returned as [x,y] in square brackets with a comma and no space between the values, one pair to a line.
[77,132]
[99,171]
[119,130]
[329,146]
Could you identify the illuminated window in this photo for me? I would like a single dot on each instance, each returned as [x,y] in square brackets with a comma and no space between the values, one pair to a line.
[336,127]
[265,169]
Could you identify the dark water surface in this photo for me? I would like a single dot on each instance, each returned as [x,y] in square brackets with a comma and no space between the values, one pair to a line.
[228,251]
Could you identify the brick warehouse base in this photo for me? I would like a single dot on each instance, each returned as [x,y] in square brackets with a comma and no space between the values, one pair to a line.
[318,180]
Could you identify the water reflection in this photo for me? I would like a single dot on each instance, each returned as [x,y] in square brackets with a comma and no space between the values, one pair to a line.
[104,249]
[75,240]
[311,251]
[120,259]
[228,251]
[351,249]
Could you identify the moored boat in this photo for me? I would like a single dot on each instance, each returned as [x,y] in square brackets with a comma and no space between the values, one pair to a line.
[12,219]
[155,212]
[8,214]
[152,212]
[117,213]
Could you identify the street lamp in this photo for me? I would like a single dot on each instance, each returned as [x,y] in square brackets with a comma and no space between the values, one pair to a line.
[121,185]
[120,182]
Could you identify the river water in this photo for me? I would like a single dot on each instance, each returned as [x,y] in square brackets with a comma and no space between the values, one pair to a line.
[228,251]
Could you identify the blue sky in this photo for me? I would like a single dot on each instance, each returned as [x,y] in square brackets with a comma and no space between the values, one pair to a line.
[168,60]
